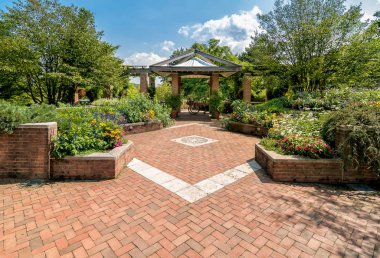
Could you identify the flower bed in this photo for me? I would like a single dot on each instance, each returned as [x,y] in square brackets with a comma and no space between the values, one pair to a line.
[94,166]
[245,120]
[287,168]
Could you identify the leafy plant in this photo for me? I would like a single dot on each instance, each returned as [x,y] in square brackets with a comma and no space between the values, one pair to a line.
[362,145]
[11,116]
[277,105]
[216,102]
[174,101]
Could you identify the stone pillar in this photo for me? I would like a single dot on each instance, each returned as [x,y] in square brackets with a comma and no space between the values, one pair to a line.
[144,82]
[176,80]
[247,88]
[214,82]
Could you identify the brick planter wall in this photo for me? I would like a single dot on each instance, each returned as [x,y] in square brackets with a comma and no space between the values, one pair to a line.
[95,166]
[142,127]
[287,168]
[26,153]
[247,129]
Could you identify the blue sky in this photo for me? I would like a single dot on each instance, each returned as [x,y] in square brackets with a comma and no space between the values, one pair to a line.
[147,31]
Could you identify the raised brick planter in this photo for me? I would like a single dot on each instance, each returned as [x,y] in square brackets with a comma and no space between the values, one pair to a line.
[142,127]
[95,166]
[247,129]
[287,168]
[26,152]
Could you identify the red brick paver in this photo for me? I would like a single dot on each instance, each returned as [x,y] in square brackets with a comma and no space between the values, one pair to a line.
[134,217]
[194,164]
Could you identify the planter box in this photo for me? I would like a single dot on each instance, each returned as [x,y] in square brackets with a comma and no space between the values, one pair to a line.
[26,152]
[141,127]
[95,166]
[286,168]
[248,129]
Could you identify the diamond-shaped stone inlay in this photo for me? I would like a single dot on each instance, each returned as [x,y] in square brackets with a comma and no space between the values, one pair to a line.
[194,140]
[193,193]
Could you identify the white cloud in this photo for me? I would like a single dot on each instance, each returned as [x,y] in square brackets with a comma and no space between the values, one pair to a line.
[233,30]
[168,45]
[143,59]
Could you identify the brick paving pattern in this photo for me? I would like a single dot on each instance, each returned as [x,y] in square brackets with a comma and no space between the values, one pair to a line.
[132,216]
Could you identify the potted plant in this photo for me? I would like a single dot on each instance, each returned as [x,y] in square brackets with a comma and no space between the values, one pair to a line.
[175,102]
[216,104]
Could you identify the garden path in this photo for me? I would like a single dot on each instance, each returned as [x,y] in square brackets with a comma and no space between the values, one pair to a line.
[133,216]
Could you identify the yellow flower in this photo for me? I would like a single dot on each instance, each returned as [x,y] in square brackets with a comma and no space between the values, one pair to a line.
[102,124]
[93,121]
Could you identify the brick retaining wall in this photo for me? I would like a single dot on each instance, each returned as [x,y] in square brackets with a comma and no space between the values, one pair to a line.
[94,166]
[247,129]
[26,152]
[141,127]
[287,168]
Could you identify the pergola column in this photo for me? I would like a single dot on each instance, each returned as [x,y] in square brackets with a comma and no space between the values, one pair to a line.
[144,82]
[176,83]
[247,88]
[214,82]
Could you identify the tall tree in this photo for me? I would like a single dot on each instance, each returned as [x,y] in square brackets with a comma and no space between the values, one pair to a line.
[57,50]
[304,36]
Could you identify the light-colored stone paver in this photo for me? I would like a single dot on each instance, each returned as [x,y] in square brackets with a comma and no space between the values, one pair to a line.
[175,185]
[235,173]
[184,189]
[191,194]
[223,179]
[161,178]
[208,186]
[254,165]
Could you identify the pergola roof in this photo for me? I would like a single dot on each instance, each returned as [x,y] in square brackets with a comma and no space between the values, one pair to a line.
[193,64]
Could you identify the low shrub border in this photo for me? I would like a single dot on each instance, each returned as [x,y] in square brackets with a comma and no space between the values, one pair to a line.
[141,127]
[286,168]
[260,131]
[95,166]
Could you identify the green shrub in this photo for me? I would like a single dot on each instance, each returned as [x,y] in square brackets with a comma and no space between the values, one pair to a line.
[362,145]
[137,108]
[12,115]
[333,99]
[174,101]
[271,145]
[216,102]
[278,105]
[244,113]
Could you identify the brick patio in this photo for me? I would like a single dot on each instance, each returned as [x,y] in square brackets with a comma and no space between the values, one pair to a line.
[132,216]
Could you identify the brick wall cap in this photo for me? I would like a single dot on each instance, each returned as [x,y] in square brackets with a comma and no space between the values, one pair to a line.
[141,123]
[279,157]
[38,125]
[117,152]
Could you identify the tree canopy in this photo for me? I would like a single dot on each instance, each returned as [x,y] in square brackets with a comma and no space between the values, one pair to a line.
[313,44]
[52,50]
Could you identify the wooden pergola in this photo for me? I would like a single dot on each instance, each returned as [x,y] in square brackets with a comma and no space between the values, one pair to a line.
[196,64]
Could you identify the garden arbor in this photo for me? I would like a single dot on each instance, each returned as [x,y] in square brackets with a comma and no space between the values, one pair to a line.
[195,64]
